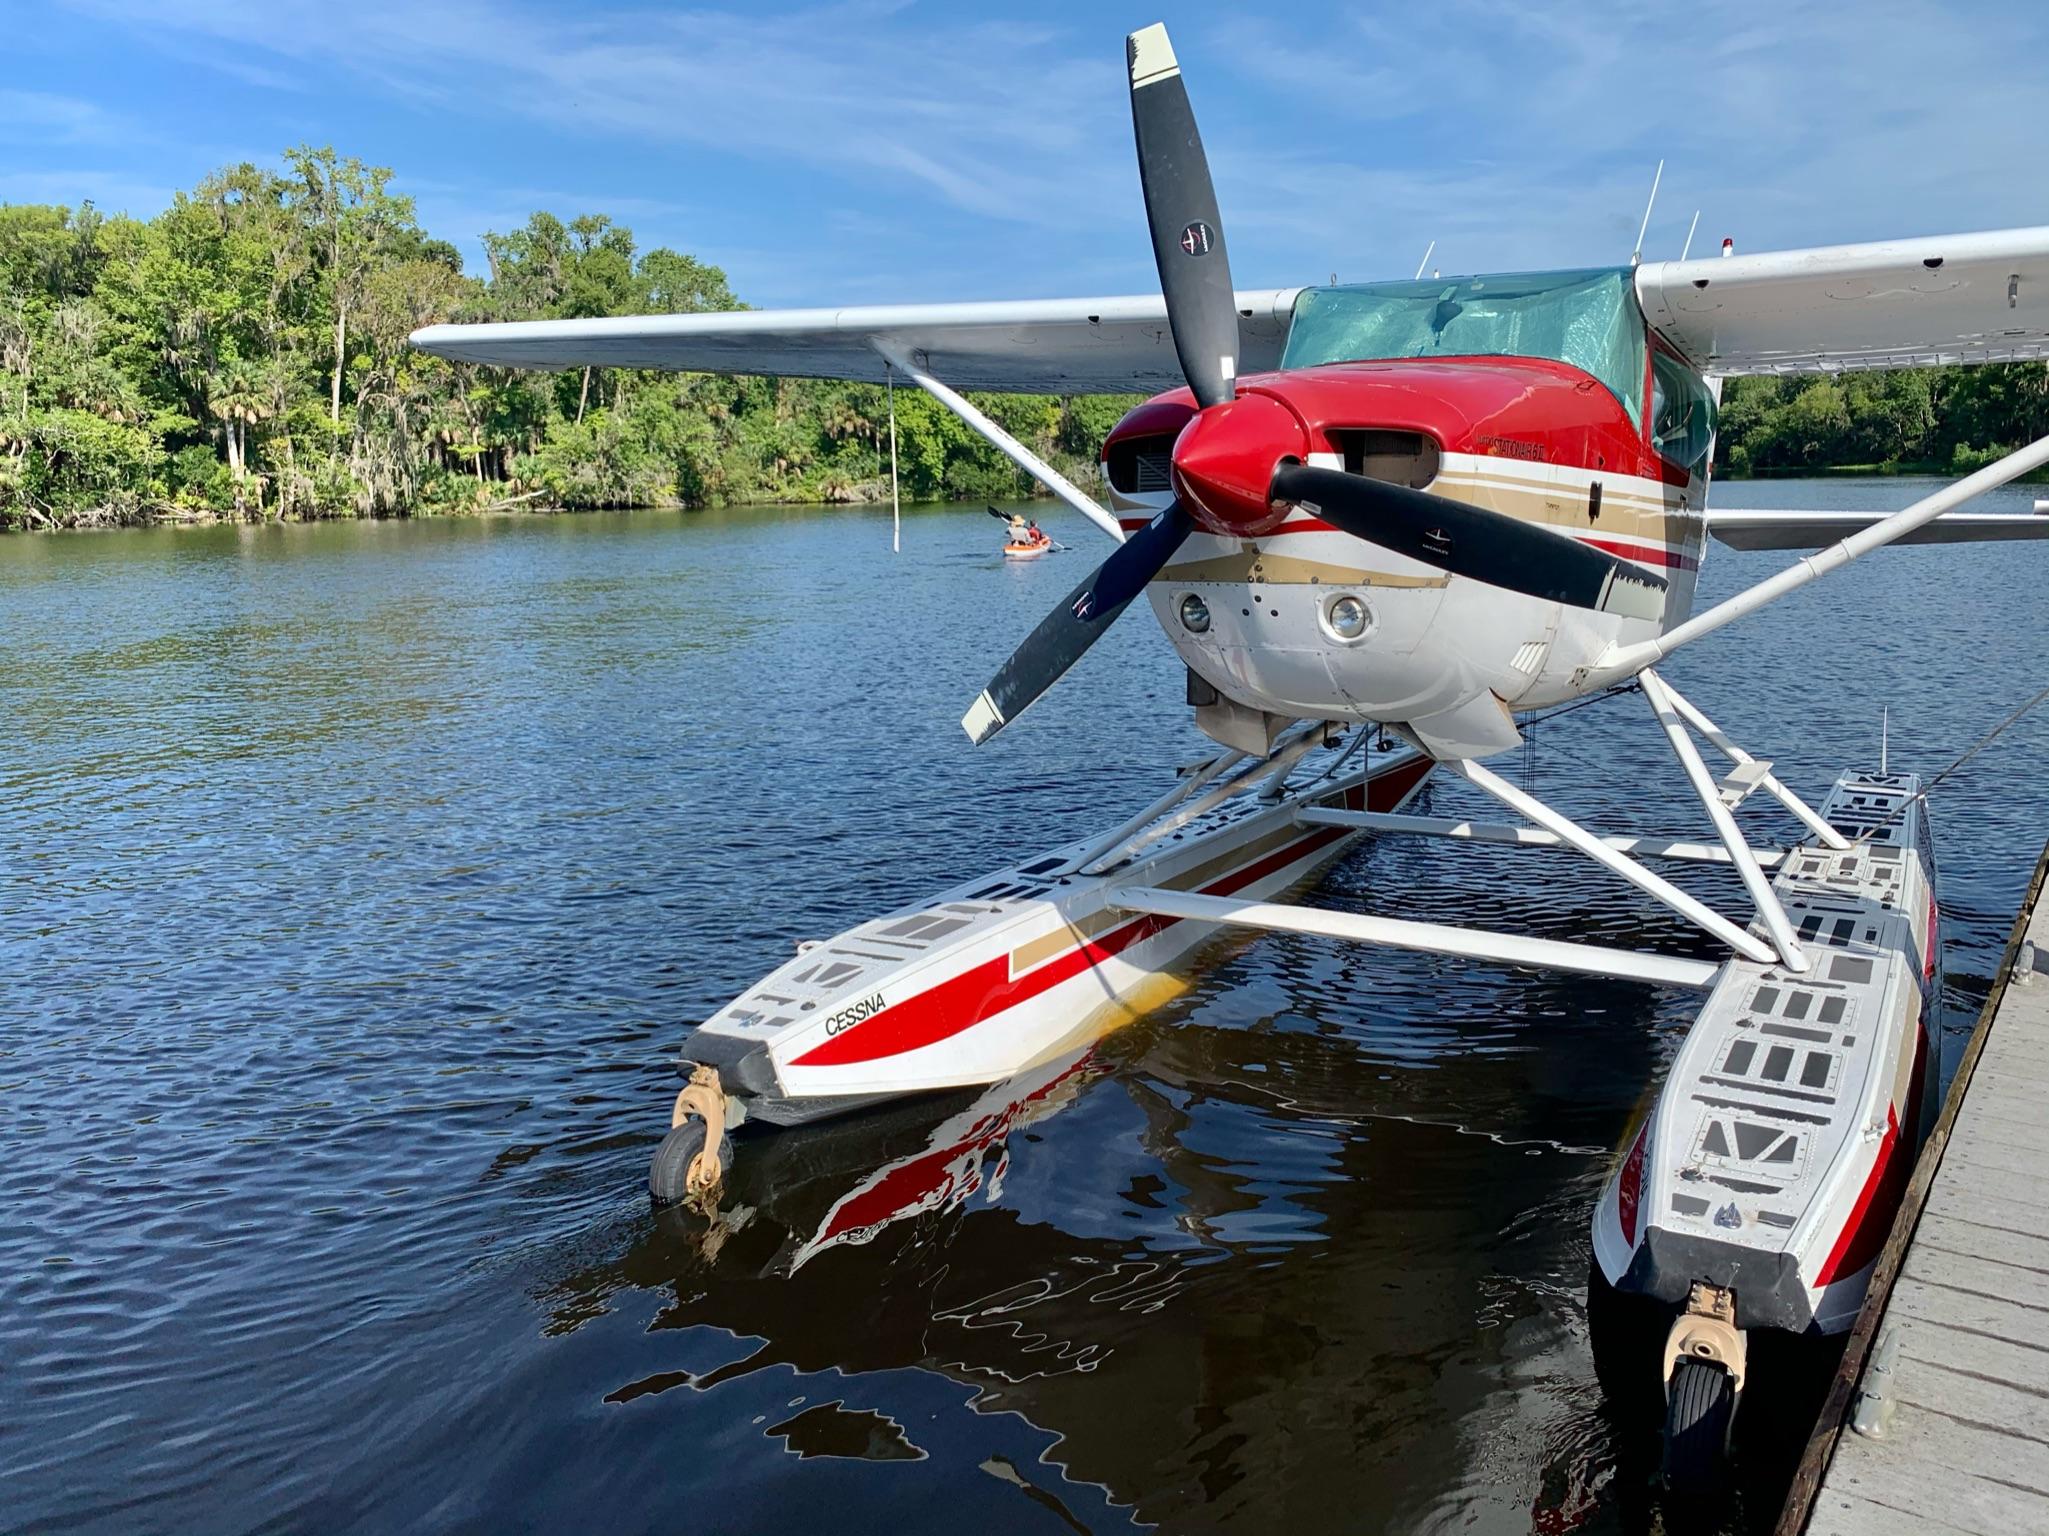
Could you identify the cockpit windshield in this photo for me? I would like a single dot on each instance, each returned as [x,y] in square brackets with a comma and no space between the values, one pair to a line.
[1588,319]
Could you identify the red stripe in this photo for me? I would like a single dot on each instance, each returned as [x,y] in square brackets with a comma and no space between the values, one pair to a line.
[1646,554]
[1295,525]
[963,1001]
[916,1179]
[1629,1187]
[1933,943]
[1864,1233]
[1879,1201]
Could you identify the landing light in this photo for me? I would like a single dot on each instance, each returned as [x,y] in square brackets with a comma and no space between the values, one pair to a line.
[1194,614]
[1346,617]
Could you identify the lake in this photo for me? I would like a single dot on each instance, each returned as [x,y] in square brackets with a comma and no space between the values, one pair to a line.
[361,881]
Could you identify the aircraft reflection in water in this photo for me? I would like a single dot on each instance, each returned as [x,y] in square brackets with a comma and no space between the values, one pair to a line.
[1170,1315]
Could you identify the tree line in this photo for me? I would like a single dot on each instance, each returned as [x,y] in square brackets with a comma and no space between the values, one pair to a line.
[243,354]
[1940,420]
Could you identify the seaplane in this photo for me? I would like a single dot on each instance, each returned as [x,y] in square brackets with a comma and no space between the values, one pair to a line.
[1382,524]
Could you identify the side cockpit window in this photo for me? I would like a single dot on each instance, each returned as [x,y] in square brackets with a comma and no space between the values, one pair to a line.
[1682,413]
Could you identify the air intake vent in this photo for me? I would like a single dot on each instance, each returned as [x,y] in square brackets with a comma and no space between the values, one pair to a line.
[1140,464]
[1400,458]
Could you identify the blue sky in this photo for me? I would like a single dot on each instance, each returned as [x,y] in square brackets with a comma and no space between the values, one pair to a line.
[899,151]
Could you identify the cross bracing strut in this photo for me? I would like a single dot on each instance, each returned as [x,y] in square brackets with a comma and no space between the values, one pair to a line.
[1434,938]
[1759,771]
[1745,944]
[1522,837]
[1769,911]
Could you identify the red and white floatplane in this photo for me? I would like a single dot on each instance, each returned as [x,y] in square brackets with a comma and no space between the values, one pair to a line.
[1378,523]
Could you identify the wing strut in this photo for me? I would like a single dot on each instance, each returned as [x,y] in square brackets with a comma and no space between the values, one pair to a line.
[1628,660]
[1001,440]
[896,510]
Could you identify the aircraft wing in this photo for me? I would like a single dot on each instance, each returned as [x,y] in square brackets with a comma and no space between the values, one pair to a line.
[1744,528]
[1029,346]
[1980,298]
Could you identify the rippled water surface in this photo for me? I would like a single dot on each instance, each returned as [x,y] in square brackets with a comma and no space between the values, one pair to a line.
[360,882]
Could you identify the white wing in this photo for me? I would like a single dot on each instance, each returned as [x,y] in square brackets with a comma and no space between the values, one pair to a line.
[1759,529]
[1038,346]
[1980,298]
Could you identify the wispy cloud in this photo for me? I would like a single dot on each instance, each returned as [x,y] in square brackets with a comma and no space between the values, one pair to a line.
[985,113]
[44,118]
[1525,132]
[894,150]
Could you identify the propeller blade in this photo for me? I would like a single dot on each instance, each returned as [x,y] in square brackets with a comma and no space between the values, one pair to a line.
[1181,206]
[1076,624]
[1466,540]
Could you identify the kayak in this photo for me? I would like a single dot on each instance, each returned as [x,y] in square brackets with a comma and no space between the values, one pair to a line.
[1026,551]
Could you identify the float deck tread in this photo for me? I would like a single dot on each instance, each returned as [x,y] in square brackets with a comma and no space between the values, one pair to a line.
[1967,1447]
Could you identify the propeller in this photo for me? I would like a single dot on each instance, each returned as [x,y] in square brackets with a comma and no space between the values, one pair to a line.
[1466,540]
[1188,231]
[1202,312]
[1070,629]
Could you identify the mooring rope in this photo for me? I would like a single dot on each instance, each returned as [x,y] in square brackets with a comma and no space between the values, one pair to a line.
[1970,752]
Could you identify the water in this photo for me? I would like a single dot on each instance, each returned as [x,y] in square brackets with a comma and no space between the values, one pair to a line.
[360,881]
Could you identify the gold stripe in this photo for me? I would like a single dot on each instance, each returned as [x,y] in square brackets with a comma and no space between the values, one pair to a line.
[1563,508]
[1062,939]
[1268,569]
[1552,490]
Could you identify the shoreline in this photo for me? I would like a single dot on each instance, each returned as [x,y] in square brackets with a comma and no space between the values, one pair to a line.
[185,517]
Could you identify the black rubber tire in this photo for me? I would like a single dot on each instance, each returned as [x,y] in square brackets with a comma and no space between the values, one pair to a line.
[668,1175]
[1698,1408]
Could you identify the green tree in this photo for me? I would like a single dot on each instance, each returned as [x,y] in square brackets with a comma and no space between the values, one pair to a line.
[356,225]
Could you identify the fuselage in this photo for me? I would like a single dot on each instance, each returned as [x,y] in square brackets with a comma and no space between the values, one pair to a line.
[1595,430]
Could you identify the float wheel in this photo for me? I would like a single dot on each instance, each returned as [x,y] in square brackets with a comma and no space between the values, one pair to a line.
[668,1176]
[1699,1406]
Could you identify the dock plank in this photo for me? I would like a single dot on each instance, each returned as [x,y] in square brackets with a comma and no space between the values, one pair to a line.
[1921,1479]
[1995,1157]
[1990,1315]
[1981,1208]
[1841,1514]
[1975,1354]
[1980,1276]
[2025,1134]
[1954,1233]
[2024,1197]
[1961,1394]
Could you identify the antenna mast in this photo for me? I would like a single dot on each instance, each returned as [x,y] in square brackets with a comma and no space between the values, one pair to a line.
[1426,259]
[1636,256]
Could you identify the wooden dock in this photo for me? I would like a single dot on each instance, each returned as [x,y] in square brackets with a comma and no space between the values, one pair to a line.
[1939,1421]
